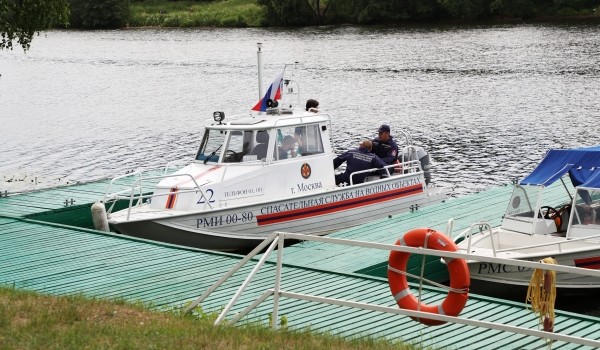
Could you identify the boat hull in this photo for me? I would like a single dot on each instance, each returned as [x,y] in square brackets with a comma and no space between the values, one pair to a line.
[242,228]
[489,277]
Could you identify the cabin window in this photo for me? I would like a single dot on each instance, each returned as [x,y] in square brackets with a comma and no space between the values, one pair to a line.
[314,142]
[298,141]
[238,146]
[259,144]
[587,207]
[210,146]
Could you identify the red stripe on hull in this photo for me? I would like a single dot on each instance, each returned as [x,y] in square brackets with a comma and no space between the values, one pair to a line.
[196,177]
[172,198]
[297,214]
[588,263]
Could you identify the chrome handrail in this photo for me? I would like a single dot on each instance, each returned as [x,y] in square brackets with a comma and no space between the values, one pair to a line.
[406,167]
[137,185]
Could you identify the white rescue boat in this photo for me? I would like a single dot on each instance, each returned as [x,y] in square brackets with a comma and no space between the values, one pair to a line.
[244,184]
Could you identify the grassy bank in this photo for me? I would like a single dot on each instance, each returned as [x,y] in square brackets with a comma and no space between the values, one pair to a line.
[34,321]
[232,13]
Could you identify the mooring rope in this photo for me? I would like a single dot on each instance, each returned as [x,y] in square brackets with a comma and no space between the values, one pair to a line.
[433,283]
[541,295]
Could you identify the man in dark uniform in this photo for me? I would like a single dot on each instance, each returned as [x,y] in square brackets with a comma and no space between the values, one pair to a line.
[384,145]
[357,160]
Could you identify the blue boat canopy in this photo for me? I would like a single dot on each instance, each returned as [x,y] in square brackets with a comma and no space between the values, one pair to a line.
[582,164]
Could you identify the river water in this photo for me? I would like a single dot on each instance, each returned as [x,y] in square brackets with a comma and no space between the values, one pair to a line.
[486,101]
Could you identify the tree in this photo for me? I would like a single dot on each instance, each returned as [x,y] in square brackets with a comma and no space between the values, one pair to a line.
[99,14]
[21,19]
[290,12]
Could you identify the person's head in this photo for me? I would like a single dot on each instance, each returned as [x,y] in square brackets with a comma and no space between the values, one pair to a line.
[367,144]
[312,104]
[288,143]
[384,132]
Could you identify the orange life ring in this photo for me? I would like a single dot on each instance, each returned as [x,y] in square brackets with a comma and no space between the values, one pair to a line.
[459,275]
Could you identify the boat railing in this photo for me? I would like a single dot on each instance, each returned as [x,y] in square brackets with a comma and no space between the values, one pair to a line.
[302,119]
[109,195]
[407,137]
[277,240]
[175,164]
[468,234]
[409,167]
[136,193]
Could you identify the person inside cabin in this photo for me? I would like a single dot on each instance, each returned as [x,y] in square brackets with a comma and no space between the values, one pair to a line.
[312,105]
[357,159]
[288,144]
[384,145]
[299,138]
[587,213]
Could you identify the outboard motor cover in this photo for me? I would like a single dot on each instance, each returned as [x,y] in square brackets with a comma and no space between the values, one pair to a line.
[418,152]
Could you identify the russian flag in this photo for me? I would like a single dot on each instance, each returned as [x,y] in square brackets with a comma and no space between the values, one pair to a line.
[273,93]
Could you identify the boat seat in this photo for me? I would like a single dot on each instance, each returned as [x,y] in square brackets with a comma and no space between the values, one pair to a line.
[262,140]
[587,214]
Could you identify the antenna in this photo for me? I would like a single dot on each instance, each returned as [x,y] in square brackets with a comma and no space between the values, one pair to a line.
[260,67]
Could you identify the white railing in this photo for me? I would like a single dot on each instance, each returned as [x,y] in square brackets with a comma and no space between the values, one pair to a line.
[408,168]
[136,193]
[468,234]
[277,239]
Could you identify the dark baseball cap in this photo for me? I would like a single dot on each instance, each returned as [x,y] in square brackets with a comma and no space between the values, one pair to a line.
[384,128]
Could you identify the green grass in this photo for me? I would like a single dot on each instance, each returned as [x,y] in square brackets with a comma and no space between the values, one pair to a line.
[221,13]
[30,320]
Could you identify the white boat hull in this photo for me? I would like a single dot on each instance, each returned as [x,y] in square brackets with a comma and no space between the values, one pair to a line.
[521,276]
[243,227]
[578,253]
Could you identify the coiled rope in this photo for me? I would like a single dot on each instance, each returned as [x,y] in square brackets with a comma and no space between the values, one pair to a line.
[541,295]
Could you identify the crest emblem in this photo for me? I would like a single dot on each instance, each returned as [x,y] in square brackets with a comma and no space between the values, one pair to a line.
[305,170]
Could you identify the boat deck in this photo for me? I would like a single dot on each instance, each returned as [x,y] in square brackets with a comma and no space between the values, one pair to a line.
[40,251]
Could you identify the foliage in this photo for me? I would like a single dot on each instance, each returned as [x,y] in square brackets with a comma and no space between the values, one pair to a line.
[232,13]
[34,321]
[289,12]
[99,14]
[21,19]
[393,11]
[257,13]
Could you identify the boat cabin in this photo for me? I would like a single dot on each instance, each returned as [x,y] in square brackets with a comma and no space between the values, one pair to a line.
[244,159]
[578,215]
[259,139]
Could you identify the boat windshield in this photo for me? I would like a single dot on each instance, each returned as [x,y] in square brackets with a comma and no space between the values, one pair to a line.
[587,207]
[523,201]
[212,142]
[239,146]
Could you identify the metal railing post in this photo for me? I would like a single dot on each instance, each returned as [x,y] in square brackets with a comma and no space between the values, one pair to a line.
[277,288]
[246,282]
[231,271]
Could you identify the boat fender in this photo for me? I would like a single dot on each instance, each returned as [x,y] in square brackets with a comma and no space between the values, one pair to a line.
[99,216]
[460,279]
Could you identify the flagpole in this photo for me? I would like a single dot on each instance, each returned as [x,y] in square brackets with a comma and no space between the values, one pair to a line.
[260,66]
